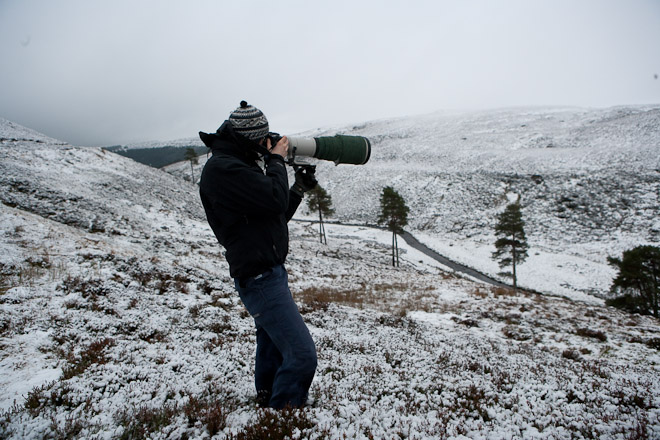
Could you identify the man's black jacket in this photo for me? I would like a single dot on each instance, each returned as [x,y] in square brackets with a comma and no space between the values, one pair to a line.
[247,209]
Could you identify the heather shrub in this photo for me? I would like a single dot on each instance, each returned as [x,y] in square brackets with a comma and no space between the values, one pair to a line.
[285,424]
[90,355]
[589,333]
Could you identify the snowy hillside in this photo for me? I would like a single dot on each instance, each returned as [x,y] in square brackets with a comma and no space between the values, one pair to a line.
[92,189]
[10,133]
[589,182]
[119,320]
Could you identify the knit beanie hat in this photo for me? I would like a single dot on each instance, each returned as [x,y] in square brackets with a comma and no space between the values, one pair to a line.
[249,121]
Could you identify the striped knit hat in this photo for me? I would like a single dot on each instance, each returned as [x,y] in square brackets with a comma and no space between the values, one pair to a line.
[249,121]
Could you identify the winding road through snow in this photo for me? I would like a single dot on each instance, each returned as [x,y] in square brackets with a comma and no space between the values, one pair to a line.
[416,244]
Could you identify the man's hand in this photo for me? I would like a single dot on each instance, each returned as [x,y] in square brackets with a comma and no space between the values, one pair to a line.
[305,180]
[282,147]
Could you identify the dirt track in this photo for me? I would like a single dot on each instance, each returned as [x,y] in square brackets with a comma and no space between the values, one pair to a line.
[416,244]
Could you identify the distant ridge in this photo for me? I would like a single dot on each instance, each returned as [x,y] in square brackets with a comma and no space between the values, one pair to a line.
[157,157]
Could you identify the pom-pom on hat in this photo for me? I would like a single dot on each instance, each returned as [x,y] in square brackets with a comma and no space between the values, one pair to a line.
[249,121]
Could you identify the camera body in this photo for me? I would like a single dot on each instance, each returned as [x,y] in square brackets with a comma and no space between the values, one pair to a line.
[274,138]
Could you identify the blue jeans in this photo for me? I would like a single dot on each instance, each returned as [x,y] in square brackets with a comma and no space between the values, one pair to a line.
[286,356]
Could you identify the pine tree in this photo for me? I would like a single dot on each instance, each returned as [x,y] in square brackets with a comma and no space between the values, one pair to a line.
[638,279]
[511,245]
[319,200]
[191,156]
[394,214]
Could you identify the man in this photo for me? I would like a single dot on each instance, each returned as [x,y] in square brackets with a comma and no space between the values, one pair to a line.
[248,209]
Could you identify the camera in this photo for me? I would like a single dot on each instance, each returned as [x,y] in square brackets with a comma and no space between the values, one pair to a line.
[274,138]
[339,148]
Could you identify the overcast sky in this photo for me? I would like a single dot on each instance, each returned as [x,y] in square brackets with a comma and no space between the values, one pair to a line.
[113,72]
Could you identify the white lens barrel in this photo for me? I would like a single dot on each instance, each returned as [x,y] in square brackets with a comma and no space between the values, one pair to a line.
[302,146]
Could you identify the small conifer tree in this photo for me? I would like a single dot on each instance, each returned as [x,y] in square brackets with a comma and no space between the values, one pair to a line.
[394,214]
[511,245]
[319,200]
[191,156]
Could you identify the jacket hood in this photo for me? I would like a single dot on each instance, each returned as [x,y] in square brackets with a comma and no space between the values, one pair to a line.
[227,140]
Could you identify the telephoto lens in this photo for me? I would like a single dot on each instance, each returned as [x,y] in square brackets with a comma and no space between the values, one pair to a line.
[339,148]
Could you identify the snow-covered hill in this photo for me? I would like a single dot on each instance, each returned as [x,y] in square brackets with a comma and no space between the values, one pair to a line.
[583,172]
[92,189]
[118,320]
[11,133]
[588,181]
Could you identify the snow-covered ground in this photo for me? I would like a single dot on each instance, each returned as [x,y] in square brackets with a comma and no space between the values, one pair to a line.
[119,319]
